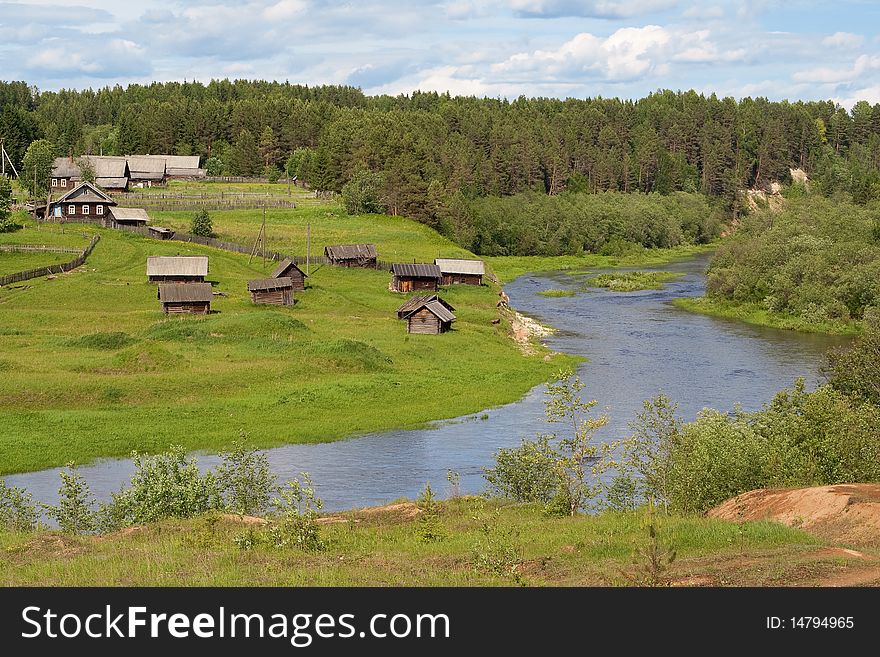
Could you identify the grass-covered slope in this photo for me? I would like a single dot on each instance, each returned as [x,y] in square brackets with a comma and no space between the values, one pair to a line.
[91,367]
[480,544]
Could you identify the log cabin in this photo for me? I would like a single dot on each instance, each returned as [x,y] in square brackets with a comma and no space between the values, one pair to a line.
[426,315]
[457,271]
[407,277]
[288,269]
[193,298]
[177,269]
[85,202]
[275,291]
[352,255]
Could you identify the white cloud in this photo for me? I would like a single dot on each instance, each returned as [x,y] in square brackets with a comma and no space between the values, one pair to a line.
[284,9]
[590,8]
[823,74]
[843,40]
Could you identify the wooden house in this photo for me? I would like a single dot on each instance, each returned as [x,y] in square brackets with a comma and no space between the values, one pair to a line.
[465,272]
[288,269]
[275,291]
[185,298]
[352,255]
[85,202]
[407,277]
[111,173]
[428,315]
[127,217]
[177,269]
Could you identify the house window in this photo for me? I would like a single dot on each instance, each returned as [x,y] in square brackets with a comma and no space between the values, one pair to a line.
[100,209]
[71,209]
[54,182]
[64,182]
[85,209]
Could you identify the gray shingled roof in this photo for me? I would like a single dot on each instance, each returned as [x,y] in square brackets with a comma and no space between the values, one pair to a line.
[185,292]
[144,167]
[177,266]
[417,302]
[284,266]
[86,192]
[112,183]
[458,266]
[351,251]
[270,283]
[432,302]
[408,270]
[130,214]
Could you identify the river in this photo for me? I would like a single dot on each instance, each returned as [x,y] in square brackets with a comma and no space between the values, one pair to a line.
[637,344]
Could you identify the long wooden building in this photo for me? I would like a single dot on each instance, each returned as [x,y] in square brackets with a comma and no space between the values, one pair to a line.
[426,315]
[288,269]
[192,298]
[275,291]
[177,269]
[406,277]
[85,202]
[458,271]
[352,255]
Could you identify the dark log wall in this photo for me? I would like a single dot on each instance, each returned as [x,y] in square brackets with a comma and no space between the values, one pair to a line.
[200,308]
[177,279]
[425,322]
[274,297]
[463,279]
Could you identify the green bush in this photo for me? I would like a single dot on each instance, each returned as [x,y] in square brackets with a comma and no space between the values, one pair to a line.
[244,480]
[75,511]
[202,224]
[17,509]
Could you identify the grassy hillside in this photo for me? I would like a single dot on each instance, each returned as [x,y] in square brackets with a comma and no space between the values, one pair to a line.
[91,367]
[480,544]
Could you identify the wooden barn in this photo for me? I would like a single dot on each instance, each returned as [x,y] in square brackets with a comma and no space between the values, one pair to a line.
[85,202]
[275,291]
[160,233]
[465,272]
[288,269]
[407,277]
[427,315]
[177,269]
[192,298]
[352,255]
[127,217]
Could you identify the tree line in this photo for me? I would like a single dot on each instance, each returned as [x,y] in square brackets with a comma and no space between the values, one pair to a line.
[417,151]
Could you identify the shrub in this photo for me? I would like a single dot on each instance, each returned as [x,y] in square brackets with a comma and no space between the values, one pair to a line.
[17,509]
[360,195]
[244,480]
[430,527]
[202,224]
[167,485]
[75,511]
[298,507]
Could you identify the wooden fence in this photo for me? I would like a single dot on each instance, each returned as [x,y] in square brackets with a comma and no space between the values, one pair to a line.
[36,248]
[51,269]
[169,204]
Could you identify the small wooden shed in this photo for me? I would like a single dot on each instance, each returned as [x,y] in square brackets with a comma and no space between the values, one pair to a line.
[185,298]
[177,269]
[275,291]
[160,233]
[427,315]
[288,269]
[407,277]
[466,272]
[352,255]
[127,217]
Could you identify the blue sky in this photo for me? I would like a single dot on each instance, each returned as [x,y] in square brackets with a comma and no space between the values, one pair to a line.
[796,49]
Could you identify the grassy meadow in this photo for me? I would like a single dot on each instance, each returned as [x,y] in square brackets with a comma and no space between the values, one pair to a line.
[632,281]
[480,543]
[92,368]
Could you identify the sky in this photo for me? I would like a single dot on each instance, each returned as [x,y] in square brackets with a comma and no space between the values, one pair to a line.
[792,49]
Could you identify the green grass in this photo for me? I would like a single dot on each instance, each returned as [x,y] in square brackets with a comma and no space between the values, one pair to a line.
[11,263]
[553,293]
[507,268]
[92,368]
[387,550]
[632,281]
[752,313]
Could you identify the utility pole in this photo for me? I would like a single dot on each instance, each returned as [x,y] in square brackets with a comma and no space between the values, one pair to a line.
[308,247]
